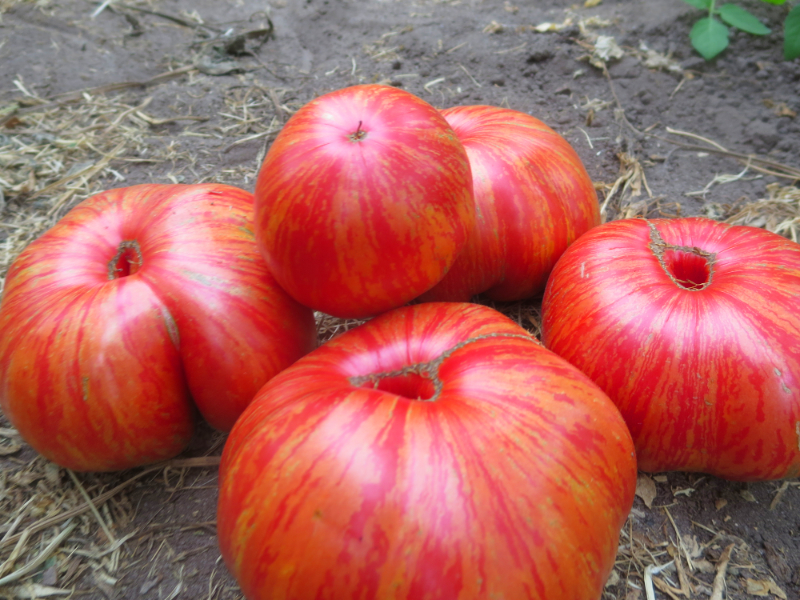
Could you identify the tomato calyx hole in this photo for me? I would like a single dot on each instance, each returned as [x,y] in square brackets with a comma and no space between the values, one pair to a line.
[421,381]
[689,270]
[413,383]
[359,134]
[127,260]
[689,267]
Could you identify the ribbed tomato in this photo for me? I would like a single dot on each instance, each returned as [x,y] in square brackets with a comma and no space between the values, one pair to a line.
[533,198]
[692,327]
[136,301]
[364,201]
[437,451]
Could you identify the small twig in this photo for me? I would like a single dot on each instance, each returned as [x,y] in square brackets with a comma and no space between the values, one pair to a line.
[168,17]
[779,495]
[249,138]
[677,88]
[280,109]
[648,578]
[699,138]
[454,48]
[617,100]
[719,578]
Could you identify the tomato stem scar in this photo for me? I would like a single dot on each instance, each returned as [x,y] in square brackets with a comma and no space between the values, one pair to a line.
[428,371]
[687,273]
[127,260]
[359,134]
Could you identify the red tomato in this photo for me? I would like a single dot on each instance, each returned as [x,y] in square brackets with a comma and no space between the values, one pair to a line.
[533,197]
[437,451]
[692,327]
[138,298]
[363,201]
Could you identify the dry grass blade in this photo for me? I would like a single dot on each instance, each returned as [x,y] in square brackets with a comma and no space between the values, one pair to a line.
[779,212]
[627,186]
[43,556]
[16,552]
[779,495]
[12,528]
[198,462]
[757,163]
[100,520]
[101,8]
[87,172]
[76,95]
[680,540]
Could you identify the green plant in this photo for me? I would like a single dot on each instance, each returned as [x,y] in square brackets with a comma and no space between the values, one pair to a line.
[710,37]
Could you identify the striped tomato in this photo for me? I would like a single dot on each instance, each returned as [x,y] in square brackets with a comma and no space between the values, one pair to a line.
[437,451]
[363,201]
[533,197]
[693,328]
[137,300]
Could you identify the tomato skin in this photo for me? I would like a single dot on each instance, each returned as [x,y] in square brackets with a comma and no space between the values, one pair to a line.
[363,201]
[99,373]
[708,379]
[512,481]
[533,197]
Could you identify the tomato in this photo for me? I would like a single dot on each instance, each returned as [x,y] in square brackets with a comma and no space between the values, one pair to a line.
[436,451]
[136,301]
[692,327]
[533,196]
[364,201]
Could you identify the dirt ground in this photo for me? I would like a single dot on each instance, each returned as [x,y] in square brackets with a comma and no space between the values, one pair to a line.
[194,91]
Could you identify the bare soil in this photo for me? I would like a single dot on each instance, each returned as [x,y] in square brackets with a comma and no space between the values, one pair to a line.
[207,86]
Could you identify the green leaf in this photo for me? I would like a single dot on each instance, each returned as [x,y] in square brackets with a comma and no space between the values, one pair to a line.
[791,34]
[709,37]
[738,17]
[702,4]
[776,2]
